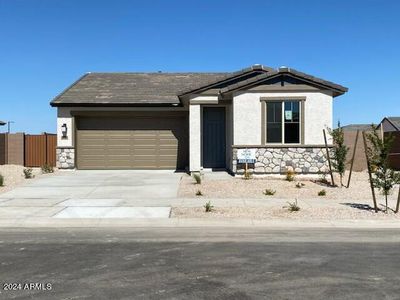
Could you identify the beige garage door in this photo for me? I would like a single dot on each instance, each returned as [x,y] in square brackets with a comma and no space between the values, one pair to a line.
[135,142]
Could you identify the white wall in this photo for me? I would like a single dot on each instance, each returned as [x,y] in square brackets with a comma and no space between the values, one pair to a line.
[194,137]
[247,116]
[64,117]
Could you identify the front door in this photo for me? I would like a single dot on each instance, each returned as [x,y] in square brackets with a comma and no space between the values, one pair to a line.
[214,137]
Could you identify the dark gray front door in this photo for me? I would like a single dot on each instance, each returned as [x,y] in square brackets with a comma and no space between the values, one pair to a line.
[214,137]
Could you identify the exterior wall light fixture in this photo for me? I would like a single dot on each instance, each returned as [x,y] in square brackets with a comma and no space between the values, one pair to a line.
[64,131]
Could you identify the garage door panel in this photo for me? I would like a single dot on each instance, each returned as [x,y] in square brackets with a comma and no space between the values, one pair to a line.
[141,144]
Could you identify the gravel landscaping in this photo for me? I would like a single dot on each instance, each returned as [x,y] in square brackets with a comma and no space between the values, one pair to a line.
[14,176]
[354,203]
[306,214]
[237,187]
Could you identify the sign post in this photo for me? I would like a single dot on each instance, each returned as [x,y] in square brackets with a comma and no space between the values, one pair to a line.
[246,156]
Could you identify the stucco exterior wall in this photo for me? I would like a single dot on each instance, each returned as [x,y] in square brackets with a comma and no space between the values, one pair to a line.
[64,117]
[194,137]
[247,116]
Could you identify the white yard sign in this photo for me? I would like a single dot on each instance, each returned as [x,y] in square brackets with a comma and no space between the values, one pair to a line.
[246,156]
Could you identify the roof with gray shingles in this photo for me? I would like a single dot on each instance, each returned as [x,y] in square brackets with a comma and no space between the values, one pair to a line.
[354,127]
[132,88]
[109,89]
[395,121]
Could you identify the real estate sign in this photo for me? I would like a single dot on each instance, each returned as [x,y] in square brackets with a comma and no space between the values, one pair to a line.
[246,156]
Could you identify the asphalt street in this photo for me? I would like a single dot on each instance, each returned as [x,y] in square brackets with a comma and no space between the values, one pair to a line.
[199,264]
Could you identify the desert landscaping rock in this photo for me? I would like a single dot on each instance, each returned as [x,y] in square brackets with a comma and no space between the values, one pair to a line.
[305,214]
[14,176]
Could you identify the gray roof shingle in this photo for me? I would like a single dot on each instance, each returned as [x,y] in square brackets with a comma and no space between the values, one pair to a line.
[120,89]
[395,121]
[354,127]
[132,88]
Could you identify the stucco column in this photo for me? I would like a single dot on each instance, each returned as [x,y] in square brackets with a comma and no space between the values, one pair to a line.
[65,145]
[194,137]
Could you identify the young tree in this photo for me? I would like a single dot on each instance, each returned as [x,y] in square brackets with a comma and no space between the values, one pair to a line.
[378,153]
[339,151]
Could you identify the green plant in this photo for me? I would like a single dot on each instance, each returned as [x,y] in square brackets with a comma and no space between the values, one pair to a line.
[46,168]
[1,180]
[322,178]
[28,173]
[293,206]
[322,193]
[208,207]
[299,185]
[197,178]
[339,152]
[199,193]
[290,175]
[269,192]
[378,152]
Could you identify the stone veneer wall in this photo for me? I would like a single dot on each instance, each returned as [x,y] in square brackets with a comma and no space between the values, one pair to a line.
[280,160]
[65,158]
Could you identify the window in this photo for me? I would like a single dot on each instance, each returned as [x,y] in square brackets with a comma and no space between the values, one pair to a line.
[274,122]
[283,122]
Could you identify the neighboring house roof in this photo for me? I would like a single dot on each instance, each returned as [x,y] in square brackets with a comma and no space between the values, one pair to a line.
[395,121]
[354,127]
[158,89]
[2,123]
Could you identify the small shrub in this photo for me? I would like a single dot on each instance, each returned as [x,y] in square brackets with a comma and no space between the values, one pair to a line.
[28,173]
[46,168]
[197,178]
[290,175]
[199,193]
[322,179]
[208,207]
[247,175]
[322,193]
[299,185]
[293,206]
[1,180]
[269,192]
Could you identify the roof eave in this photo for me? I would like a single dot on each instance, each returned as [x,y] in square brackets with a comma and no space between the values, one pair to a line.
[116,104]
[335,88]
[233,75]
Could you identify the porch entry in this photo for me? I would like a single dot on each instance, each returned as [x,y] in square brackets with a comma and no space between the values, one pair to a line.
[214,138]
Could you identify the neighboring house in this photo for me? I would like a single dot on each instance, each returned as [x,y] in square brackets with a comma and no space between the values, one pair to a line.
[355,127]
[391,125]
[195,121]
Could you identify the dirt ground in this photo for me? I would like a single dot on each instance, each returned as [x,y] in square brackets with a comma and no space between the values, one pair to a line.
[353,203]
[237,187]
[14,176]
[314,213]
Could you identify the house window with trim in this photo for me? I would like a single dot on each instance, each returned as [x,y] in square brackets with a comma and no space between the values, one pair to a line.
[283,122]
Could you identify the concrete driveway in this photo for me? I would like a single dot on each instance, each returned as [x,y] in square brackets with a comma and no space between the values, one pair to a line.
[94,194]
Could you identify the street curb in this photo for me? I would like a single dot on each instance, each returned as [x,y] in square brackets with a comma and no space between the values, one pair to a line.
[193,222]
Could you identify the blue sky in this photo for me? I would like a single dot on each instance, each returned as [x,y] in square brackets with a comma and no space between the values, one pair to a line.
[47,44]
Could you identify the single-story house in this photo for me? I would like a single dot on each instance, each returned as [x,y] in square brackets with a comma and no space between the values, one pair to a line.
[391,125]
[196,121]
